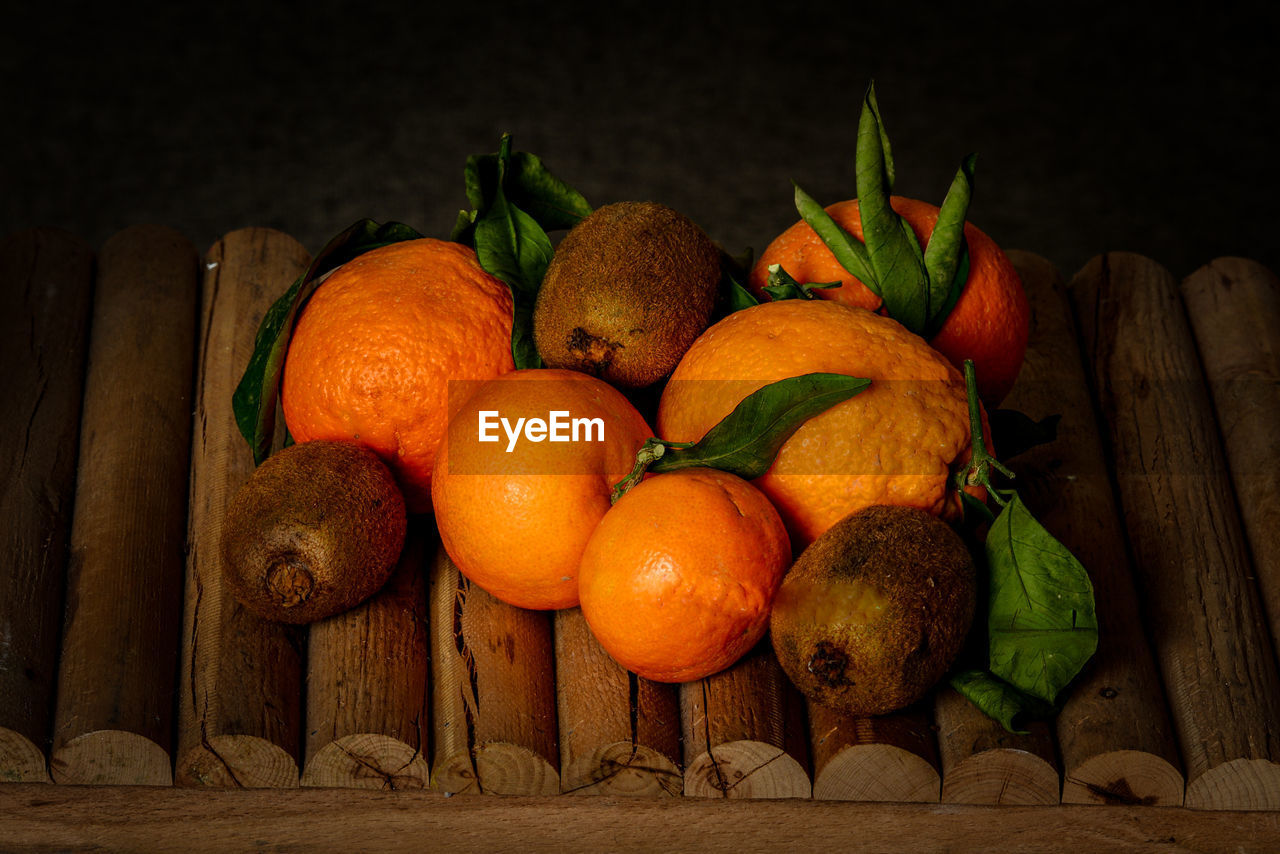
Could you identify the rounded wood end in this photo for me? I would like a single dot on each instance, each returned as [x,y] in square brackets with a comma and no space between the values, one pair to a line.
[367,761]
[1241,784]
[512,769]
[746,769]
[625,769]
[877,772]
[237,762]
[1001,776]
[1132,777]
[20,760]
[111,758]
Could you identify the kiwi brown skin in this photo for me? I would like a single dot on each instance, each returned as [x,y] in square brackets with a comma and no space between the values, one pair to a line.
[875,660]
[316,530]
[627,291]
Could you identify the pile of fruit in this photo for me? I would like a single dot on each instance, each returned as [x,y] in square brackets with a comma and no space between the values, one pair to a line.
[696,450]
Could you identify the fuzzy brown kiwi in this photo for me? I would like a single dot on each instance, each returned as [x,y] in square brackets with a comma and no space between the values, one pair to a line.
[875,610]
[627,291]
[316,530]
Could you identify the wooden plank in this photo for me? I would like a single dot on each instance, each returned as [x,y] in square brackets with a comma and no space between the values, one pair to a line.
[744,732]
[619,733]
[44,818]
[875,758]
[1114,733]
[114,711]
[983,763]
[367,683]
[240,690]
[1206,623]
[46,287]
[493,690]
[1234,308]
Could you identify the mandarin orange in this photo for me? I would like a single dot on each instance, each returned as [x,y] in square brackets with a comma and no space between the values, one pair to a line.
[375,347]
[897,442]
[677,579]
[516,513]
[989,323]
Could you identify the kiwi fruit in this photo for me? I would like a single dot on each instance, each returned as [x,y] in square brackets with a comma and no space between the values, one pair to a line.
[873,613]
[315,530]
[627,291]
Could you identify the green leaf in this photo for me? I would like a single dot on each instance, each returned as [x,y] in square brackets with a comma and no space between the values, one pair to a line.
[947,245]
[254,399]
[953,293]
[733,296]
[892,246]
[746,440]
[1042,625]
[512,246]
[527,183]
[999,700]
[782,285]
[847,249]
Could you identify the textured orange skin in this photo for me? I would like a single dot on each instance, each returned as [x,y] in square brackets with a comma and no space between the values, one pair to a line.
[516,523]
[895,442]
[989,323]
[376,346]
[678,578]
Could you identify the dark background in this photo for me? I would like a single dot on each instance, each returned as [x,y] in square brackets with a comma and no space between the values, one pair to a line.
[1097,128]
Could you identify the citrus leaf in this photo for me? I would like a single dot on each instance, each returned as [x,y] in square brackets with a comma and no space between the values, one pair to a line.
[847,249]
[733,296]
[946,245]
[512,246]
[746,440]
[255,396]
[782,285]
[953,293]
[999,700]
[892,246]
[1042,624]
[526,182]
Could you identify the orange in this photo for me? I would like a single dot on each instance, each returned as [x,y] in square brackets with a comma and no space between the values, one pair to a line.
[678,578]
[378,342]
[896,442]
[516,521]
[989,323]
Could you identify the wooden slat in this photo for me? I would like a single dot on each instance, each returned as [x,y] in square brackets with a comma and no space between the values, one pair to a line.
[744,732]
[880,758]
[982,763]
[493,690]
[1204,616]
[44,818]
[114,718]
[46,287]
[1114,733]
[367,683]
[619,733]
[1234,308]
[240,690]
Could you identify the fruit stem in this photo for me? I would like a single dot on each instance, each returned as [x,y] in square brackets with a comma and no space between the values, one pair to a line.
[650,452]
[981,462]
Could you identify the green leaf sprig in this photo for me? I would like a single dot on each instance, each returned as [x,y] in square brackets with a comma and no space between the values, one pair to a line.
[918,287]
[515,202]
[255,397]
[746,440]
[1042,625]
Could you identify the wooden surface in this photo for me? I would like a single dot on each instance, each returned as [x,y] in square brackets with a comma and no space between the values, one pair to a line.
[1153,483]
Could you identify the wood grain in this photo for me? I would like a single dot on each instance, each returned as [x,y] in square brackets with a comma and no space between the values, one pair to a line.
[114,712]
[983,763]
[744,732]
[619,733]
[46,288]
[1233,305]
[47,818]
[1114,734]
[881,758]
[367,683]
[1204,616]
[240,689]
[493,695]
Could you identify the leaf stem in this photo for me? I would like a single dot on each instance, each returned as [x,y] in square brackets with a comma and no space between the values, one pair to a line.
[650,452]
[981,462]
